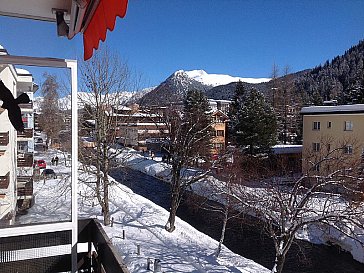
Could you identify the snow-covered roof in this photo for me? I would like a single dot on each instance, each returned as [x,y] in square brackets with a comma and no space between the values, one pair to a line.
[287,149]
[123,108]
[337,109]
[140,114]
[213,101]
[90,121]
[21,71]
[219,112]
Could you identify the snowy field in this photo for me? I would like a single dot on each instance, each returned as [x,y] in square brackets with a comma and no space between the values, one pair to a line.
[184,250]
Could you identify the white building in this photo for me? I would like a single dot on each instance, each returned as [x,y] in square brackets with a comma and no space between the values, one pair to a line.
[221,105]
[8,198]
[16,149]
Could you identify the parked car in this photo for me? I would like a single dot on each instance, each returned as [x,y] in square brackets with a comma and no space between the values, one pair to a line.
[41,164]
[49,173]
[39,140]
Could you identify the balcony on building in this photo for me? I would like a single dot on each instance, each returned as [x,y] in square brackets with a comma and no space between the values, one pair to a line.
[28,133]
[4,181]
[26,106]
[25,160]
[24,186]
[4,139]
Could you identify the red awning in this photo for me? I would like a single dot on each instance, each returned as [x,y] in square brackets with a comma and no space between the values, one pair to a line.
[103,19]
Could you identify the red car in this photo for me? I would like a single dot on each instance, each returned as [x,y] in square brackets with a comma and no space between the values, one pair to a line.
[41,164]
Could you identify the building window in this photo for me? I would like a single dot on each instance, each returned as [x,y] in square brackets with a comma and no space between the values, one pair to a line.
[219,146]
[329,124]
[22,146]
[316,125]
[316,147]
[348,149]
[316,167]
[219,132]
[348,126]
[24,118]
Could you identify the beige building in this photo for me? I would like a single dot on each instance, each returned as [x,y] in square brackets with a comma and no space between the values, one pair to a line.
[219,125]
[333,137]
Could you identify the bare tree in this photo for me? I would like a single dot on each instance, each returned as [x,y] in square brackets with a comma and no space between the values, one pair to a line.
[228,172]
[50,118]
[105,78]
[309,201]
[188,143]
[287,103]
[273,92]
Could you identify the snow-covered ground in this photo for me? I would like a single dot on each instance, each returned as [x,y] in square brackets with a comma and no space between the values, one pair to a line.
[314,234]
[184,250]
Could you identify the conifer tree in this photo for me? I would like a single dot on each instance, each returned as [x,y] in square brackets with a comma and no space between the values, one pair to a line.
[253,121]
[317,99]
[197,122]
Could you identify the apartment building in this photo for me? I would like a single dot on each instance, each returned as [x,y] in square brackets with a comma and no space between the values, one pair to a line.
[16,149]
[148,131]
[221,105]
[219,125]
[332,131]
[7,152]
[142,130]
[25,140]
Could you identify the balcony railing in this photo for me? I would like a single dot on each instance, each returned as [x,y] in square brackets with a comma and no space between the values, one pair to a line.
[106,256]
[26,105]
[25,160]
[28,133]
[4,181]
[27,189]
[4,139]
[24,179]
[102,257]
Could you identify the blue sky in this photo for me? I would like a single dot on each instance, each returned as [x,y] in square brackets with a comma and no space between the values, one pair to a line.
[236,37]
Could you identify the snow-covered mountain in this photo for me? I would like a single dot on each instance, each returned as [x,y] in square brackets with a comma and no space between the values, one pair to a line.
[83,98]
[219,79]
[175,87]
[136,96]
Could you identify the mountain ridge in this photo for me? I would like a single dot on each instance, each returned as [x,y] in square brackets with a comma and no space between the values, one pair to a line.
[176,86]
